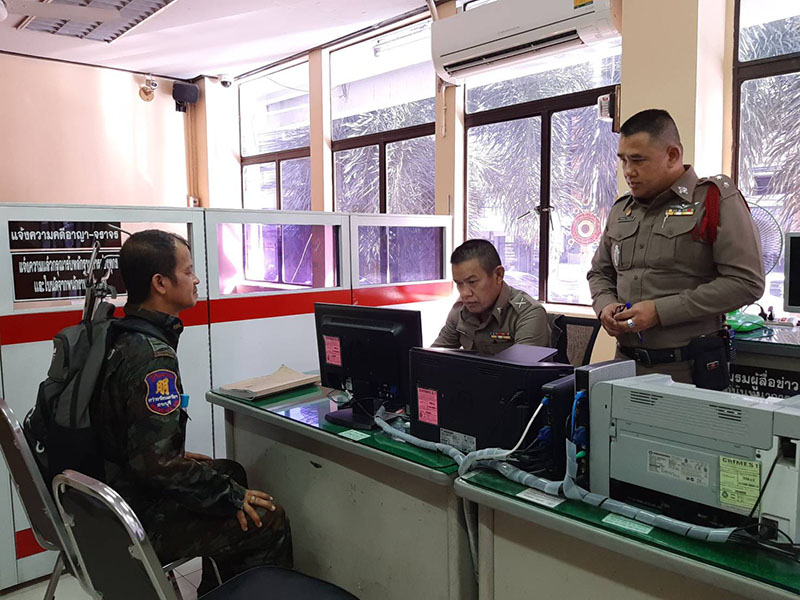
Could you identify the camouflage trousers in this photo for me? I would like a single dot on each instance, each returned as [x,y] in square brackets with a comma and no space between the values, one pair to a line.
[177,532]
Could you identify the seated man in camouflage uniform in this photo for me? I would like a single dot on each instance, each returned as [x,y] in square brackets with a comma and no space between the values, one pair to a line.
[189,504]
[490,315]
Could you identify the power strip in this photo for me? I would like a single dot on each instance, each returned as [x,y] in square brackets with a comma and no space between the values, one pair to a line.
[783,322]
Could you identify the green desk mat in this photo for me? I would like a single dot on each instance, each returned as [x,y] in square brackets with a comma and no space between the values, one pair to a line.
[311,394]
[756,564]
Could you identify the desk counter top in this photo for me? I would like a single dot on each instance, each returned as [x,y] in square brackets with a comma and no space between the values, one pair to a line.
[303,412]
[779,341]
[737,568]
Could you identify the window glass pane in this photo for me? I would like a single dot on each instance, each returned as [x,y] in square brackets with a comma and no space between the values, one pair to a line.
[768,28]
[258,183]
[410,168]
[357,180]
[415,254]
[576,70]
[296,184]
[503,189]
[400,254]
[256,257]
[372,250]
[297,251]
[261,252]
[583,186]
[769,167]
[383,83]
[274,111]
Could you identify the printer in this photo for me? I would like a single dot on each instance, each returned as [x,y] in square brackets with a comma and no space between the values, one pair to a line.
[697,455]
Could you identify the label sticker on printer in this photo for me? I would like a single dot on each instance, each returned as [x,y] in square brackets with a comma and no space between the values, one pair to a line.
[428,406]
[333,350]
[678,467]
[460,441]
[739,482]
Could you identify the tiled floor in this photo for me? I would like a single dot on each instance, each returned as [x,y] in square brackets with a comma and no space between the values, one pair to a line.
[69,589]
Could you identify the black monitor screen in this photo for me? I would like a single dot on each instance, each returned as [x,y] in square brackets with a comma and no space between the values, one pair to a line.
[791,299]
[364,351]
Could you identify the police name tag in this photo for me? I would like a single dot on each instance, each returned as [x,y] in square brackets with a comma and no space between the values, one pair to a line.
[162,392]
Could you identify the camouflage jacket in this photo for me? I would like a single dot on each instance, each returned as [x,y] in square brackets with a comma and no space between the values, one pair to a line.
[142,427]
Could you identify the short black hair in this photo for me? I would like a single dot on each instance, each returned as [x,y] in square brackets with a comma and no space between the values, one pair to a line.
[145,254]
[658,123]
[483,250]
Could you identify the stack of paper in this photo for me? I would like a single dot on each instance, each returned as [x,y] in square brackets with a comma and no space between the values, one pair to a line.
[281,380]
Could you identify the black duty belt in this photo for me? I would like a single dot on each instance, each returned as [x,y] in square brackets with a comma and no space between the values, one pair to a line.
[648,358]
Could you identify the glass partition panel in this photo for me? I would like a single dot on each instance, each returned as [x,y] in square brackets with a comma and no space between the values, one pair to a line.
[400,254]
[266,257]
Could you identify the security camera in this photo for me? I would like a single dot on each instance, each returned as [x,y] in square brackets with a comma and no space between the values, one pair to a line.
[225,81]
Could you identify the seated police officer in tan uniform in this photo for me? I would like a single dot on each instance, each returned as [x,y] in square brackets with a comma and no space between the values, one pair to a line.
[490,315]
[681,251]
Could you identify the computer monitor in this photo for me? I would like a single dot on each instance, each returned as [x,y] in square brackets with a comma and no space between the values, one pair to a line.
[473,401]
[364,351]
[791,279]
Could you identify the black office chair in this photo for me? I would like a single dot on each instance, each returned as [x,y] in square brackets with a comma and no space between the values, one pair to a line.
[119,561]
[48,529]
[573,338]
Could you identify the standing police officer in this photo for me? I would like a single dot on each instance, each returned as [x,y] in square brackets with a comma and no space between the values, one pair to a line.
[490,315]
[189,504]
[680,251]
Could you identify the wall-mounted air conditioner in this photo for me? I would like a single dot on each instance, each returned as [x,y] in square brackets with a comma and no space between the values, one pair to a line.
[509,31]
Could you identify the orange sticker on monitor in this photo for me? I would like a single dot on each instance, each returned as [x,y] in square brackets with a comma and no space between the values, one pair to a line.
[581,3]
[428,406]
[333,350]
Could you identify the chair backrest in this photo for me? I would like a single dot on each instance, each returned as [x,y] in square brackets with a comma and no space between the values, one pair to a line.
[111,544]
[36,499]
[581,335]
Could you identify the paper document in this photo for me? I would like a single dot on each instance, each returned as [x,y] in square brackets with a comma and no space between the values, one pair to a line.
[281,380]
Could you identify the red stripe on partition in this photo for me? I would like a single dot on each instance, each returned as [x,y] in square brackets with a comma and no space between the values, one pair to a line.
[26,544]
[245,308]
[402,294]
[40,327]
[35,327]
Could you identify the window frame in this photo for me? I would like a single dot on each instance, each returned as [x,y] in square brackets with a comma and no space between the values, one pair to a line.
[382,138]
[543,108]
[744,71]
[277,156]
[272,157]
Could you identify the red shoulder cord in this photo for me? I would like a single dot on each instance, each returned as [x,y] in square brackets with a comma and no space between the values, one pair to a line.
[708,226]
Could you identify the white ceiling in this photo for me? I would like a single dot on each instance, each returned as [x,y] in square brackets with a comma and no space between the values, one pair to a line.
[209,37]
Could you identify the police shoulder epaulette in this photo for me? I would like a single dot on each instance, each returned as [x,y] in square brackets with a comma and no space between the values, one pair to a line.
[626,196]
[722,182]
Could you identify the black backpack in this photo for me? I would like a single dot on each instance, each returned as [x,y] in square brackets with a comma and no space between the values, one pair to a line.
[58,428]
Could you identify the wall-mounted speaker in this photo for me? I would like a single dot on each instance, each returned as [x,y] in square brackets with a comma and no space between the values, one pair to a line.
[183,94]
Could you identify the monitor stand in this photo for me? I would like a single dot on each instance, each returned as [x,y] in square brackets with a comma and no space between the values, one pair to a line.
[353,418]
